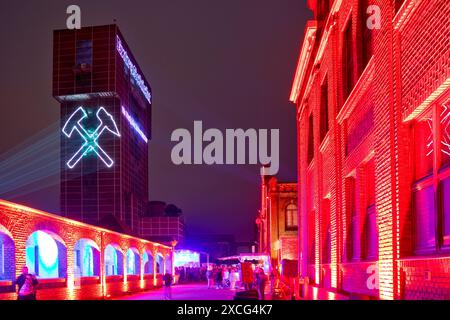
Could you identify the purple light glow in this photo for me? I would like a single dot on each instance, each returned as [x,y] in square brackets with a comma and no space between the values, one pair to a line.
[133,70]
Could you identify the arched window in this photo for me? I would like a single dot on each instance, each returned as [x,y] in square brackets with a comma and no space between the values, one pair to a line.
[113,261]
[147,260]
[133,261]
[291,217]
[168,262]
[46,255]
[87,258]
[159,264]
[7,256]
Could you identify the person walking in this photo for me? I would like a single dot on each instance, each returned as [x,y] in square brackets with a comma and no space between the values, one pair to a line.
[209,276]
[261,279]
[27,285]
[168,279]
[219,278]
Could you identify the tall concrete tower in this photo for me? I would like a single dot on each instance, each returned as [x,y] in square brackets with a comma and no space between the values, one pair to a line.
[105,128]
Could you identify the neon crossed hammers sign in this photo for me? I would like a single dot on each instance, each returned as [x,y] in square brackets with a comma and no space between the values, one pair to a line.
[90,144]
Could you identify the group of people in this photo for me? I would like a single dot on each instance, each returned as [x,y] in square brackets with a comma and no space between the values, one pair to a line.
[190,274]
[218,277]
[221,277]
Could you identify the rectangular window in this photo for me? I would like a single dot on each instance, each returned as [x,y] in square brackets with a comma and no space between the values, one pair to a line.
[311,238]
[291,217]
[84,53]
[370,223]
[445,198]
[78,258]
[2,260]
[36,260]
[423,140]
[324,109]
[398,4]
[366,36]
[371,252]
[326,232]
[425,218]
[444,132]
[431,191]
[347,61]
[352,216]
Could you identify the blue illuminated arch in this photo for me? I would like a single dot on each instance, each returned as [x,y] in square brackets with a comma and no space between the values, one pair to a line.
[159,263]
[113,260]
[168,263]
[46,255]
[133,261]
[87,258]
[147,260]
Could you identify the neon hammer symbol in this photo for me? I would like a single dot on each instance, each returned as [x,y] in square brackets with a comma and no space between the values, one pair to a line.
[74,123]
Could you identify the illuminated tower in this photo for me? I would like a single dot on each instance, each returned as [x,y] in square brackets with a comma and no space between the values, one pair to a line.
[105,128]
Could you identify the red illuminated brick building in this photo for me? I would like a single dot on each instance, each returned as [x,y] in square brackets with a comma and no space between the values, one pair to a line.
[277,222]
[106,184]
[374,148]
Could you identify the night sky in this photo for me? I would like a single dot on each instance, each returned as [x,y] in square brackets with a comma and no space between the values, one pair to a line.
[229,63]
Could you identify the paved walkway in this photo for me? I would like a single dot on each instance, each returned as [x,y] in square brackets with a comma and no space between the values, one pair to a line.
[315,293]
[201,292]
[184,292]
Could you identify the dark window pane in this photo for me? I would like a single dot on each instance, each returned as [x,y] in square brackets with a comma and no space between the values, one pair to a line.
[372,234]
[324,110]
[425,214]
[444,116]
[311,138]
[423,139]
[84,52]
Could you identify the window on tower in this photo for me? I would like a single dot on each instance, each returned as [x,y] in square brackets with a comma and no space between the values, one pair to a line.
[84,53]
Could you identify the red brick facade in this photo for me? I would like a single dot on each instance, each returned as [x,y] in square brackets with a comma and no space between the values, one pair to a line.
[373,148]
[17,223]
[278,222]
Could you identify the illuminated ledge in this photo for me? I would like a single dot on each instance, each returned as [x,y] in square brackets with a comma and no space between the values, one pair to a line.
[114,278]
[409,115]
[5,283]
[428,257]
[53,280]
[89,278]
[86,96]
[52,283]
[405,12]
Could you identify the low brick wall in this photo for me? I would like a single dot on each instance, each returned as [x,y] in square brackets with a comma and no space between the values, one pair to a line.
[425,278]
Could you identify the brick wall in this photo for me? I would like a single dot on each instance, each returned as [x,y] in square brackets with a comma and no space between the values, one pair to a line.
[408,71]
